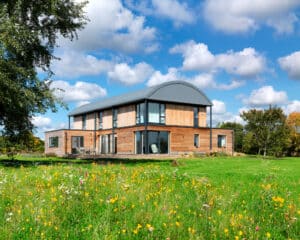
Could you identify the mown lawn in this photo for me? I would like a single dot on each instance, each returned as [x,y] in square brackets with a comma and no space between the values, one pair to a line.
[208,198]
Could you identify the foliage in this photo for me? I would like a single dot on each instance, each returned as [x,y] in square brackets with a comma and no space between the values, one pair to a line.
[293,122]
[214,198]
[238,134]
[28,33]
[268,129]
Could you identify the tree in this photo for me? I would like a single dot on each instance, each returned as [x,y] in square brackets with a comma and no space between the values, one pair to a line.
[28,34]
[293,121]
[238,134]
[268,128]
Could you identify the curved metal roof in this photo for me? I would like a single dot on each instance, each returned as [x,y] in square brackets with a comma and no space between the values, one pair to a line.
[174,91]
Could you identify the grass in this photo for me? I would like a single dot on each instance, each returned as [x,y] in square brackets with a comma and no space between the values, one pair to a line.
[207,198]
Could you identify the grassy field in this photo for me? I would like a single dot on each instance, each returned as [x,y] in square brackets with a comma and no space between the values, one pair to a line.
[208,198]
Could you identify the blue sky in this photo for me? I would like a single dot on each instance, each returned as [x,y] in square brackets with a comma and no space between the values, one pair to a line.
[242,54]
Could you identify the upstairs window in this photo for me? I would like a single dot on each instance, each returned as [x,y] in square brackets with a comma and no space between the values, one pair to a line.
[196,119]
[221,141]
[84,121]
[157,113]
[53,142]
[140,113]
[115,118]
[100,120]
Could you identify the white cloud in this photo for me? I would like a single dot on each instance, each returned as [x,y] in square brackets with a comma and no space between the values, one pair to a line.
[291,64]
[266,96]
[293,106]
[41,122]
[174,10]
[80,91]
[218,107]
[235,16]
[130,75]
[246,63]
[74,64]
[158,78]
[112,26]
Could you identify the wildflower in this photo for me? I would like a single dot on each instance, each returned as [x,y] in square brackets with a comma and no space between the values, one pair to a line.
[135,231]
[177,224]
[240,233]
[257,228]
[219,212]
[226,231]
[123,230]
[191,230]
[268,235]
[149,227]
[139,226]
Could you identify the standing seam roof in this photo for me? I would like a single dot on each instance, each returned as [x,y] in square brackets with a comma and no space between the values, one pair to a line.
[175,91]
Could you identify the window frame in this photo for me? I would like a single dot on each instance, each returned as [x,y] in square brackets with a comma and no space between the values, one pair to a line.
[140,113]
[196,116]
[161,113]
[100,122]
[196,140]
[52,143]
[115,118]
[220,141]
[84,121]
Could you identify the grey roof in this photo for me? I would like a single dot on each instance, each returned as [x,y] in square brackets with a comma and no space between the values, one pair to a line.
[175,91]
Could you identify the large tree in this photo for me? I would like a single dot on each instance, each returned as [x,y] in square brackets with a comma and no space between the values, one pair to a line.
[238,134]
[29,30]
[268,129]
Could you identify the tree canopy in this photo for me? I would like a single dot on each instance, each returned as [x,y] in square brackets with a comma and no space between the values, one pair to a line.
[29,30]
[293,121]
[266,130]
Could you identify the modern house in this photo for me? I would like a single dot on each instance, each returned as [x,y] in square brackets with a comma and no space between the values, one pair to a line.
[170,118]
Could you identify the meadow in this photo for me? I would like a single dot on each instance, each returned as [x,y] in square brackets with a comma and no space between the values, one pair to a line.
[203,198]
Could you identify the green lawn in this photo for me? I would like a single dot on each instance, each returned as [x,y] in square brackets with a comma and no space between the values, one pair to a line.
[206,198]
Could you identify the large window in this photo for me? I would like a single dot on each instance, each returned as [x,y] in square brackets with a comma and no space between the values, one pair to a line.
[53,142]
[100,120]
[84,121]
[108,143]
[157,142]
[221,141]
[77,144]
[156,113]
[196,119]
[140,113]
[115,118]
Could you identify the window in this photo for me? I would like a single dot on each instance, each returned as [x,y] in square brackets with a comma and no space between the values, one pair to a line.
[115,118]
[77,144]
[100,120]
[84,121]
[156,113]
[158,142]
[196,113]
[140,113]
[108,144]
[196,140]
[221,141]
[53,142]
[139,142]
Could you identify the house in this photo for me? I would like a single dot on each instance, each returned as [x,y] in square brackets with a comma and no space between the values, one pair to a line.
[170,118]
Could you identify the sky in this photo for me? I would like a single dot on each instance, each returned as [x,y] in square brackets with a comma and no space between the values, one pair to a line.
[241,54]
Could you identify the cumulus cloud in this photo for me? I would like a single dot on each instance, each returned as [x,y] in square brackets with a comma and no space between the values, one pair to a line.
[291,64]
[113,26]
[80,91]
[293,106]
[246,63]
[266,96]
[218,107]
[74,64]
[174,10]
[158,78]
[235,16]
[130,75]
[41,122]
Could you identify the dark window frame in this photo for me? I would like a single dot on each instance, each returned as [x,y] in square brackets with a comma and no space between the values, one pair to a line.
[196,140]
[115,117]
[219,138]
[84,122]
[161,113]
[196,116]
[53,142]
[140,112]
[100,116]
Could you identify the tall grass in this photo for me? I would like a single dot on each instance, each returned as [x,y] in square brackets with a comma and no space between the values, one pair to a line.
[256,200]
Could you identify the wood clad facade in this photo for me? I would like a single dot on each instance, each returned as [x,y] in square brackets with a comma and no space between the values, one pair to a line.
[170,118]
